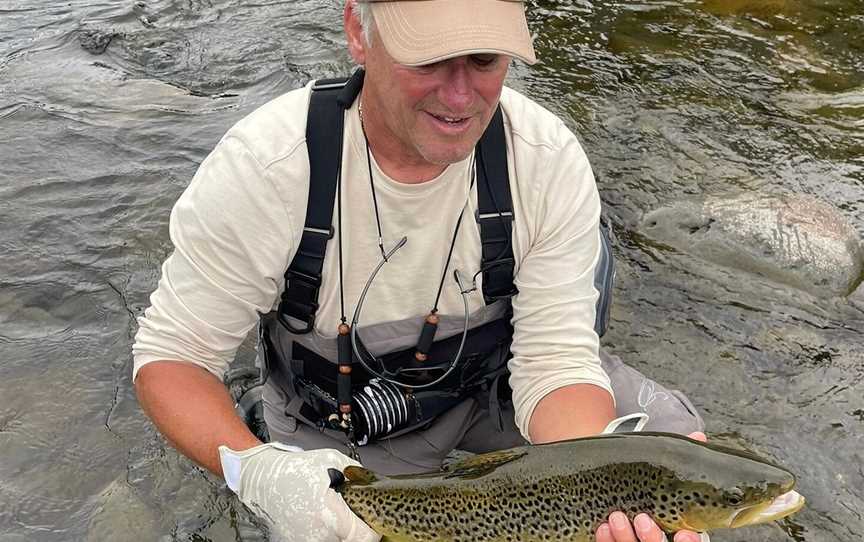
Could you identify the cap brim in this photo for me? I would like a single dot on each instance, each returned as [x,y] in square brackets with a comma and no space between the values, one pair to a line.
[421,32]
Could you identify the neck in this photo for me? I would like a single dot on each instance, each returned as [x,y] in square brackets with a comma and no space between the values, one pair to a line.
[394,158]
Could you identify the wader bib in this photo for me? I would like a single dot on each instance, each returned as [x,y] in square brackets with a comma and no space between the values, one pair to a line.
[402,430]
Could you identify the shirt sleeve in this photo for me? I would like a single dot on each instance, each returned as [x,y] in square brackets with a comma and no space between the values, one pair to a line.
[554,342]
[232,236]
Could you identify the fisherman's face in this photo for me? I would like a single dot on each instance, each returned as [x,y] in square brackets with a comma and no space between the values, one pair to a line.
[431,114]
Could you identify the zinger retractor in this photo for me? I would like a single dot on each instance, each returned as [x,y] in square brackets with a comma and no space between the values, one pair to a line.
[343,379]
[427,337]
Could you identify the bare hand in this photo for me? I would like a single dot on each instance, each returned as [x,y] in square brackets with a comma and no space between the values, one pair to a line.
[643,529]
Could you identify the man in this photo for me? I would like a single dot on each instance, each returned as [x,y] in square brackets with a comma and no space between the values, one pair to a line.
[434,73]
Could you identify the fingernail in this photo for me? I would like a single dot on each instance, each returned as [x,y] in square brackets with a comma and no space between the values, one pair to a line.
[618,520]
[642,522]
[603,531]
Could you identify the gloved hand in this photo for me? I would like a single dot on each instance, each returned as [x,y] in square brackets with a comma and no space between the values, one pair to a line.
[290,489]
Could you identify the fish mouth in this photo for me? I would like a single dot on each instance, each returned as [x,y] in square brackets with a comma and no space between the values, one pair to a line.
[782,506]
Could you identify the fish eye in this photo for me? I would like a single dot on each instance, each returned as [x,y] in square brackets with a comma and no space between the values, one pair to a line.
[734,497]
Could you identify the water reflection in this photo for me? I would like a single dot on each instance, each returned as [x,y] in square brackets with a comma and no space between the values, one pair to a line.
[106,109]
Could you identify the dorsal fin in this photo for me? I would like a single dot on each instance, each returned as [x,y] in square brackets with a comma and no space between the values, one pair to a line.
[480,465]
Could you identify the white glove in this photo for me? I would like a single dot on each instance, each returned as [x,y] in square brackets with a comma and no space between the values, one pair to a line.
[290,489]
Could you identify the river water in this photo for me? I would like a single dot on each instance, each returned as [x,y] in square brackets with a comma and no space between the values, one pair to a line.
[106,108]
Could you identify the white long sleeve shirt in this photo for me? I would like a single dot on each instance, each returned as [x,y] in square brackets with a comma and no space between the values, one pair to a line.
[236,228]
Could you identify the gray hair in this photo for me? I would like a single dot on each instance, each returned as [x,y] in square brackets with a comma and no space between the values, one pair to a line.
[363,13]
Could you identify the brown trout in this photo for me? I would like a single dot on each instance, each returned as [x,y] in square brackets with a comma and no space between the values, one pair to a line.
[563,491]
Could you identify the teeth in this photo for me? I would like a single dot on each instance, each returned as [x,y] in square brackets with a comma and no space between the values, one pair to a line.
[451,120]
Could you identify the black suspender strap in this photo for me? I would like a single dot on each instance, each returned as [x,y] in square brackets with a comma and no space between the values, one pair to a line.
[324,136]
[495,212]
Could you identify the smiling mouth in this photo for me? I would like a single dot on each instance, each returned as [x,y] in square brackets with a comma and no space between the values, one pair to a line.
[453,121]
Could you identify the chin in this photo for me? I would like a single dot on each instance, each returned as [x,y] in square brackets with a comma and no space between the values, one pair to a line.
[446,156]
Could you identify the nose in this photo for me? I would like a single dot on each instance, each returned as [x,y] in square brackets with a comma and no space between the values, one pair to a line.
[457,88]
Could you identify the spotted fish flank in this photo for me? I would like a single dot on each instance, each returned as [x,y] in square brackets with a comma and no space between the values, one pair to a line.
[561,492]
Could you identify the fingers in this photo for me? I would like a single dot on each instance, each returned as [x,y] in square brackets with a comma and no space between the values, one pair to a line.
[343,523]
[334,458]
[619,529]
[647,530]
[698,435]
[360,532]
[604,533]
[643,529]
[687,536]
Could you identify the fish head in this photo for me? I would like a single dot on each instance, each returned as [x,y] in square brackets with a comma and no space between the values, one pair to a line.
[723,488]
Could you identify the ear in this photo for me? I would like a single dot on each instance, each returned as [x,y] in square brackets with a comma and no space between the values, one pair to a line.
[354,33]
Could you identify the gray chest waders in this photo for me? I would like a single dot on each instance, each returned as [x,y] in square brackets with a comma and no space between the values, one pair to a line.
[321,376]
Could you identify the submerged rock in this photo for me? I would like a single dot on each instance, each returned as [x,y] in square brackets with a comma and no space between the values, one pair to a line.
[121,514]
[95,41]
[793,239]
[764,8]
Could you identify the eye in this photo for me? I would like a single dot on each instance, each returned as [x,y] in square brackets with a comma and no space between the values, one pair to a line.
[426,68]
[734,497]
[484,60]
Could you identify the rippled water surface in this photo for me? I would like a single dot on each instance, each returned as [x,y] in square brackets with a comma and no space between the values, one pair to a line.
[107,108]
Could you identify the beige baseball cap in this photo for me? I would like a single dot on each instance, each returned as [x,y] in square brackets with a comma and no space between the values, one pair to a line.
[417,32]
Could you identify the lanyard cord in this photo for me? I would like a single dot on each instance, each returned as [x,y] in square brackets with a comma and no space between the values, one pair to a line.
[371,182]
[374,198]
[430,325]
[385,255]
[344,318]
[473,174]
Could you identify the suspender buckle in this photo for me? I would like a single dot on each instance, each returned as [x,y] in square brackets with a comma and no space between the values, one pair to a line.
[329,84]
[328,233]
[299,301]
[503,216]
[302,280]
[302,329]
[499,276]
